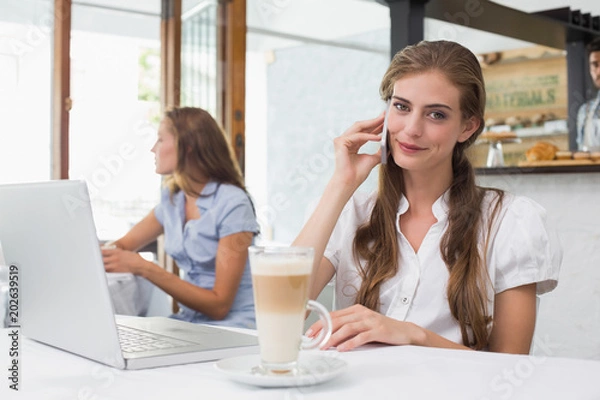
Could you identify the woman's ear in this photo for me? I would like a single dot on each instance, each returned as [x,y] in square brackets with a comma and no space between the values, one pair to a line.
[469,128]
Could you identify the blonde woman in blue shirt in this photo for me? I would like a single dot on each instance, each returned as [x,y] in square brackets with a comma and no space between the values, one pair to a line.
[430,258]
[208,222]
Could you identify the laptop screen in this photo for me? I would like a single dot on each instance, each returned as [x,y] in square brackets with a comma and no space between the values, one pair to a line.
[47,230]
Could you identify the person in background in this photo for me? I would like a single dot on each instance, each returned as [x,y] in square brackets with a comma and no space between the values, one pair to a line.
[588,115]
[429,258]
[208,221]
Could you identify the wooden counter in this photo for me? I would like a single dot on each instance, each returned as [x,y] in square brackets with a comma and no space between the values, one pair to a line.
[539,170]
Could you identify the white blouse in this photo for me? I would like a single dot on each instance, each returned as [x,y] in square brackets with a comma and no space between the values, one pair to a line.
[521,250]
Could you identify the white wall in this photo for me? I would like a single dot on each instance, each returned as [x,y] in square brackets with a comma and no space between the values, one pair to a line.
[569,317]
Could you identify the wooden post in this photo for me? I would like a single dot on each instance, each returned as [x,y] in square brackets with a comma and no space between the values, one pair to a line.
[61,100]
[170,89]
[232,82]
[170,32]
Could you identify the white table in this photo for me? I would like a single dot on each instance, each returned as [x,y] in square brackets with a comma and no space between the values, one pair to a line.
[375,372]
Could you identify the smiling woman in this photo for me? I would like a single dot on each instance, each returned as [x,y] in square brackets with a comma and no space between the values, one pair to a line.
[429,258]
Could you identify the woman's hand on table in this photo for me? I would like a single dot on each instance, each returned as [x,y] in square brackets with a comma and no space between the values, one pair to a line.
[357,325]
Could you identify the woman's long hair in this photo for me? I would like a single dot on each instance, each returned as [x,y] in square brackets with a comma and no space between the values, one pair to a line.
[203,152]
[376,241]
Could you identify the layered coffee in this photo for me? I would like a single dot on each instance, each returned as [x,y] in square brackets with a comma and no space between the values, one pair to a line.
[280,296]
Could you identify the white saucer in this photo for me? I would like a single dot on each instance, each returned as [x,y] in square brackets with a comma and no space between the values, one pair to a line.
[313,369]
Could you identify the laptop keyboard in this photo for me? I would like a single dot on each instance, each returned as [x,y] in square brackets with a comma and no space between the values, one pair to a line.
[134,341]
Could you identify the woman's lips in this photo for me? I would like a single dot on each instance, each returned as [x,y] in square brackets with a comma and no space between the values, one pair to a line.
[410,148]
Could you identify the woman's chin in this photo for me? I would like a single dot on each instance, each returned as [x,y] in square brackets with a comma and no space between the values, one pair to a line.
[407,163]
[402,162]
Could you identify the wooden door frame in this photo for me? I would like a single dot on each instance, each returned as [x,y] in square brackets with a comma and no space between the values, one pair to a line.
[170,49]
[232,73]
[170,92]
[61,90]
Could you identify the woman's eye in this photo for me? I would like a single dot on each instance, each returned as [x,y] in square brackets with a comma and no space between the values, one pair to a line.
[401,107]
[437,115]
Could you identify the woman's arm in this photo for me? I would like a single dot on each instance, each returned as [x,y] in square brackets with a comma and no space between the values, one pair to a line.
[512,332]
[358,325]
[317,231]
[351,169]
[232,253]
[142,233]
[124,258]
[514,320]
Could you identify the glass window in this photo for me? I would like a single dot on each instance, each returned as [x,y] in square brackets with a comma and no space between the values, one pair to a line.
[25,89]
[115,81]
[199,55]
[306,83]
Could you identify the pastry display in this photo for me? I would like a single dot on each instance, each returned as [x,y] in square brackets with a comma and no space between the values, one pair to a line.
[522,130]
[547,154]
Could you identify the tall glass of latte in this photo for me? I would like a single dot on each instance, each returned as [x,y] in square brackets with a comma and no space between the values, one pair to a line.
[281,278]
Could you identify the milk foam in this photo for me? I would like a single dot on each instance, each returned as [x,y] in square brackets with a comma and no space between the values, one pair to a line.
[280,265]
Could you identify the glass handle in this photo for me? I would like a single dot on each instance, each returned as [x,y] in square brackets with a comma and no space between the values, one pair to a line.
[325,332]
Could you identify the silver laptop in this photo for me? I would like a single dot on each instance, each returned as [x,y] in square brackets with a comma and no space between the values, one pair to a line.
[47,230]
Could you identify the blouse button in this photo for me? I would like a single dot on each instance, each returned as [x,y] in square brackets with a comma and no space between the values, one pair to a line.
[405,300]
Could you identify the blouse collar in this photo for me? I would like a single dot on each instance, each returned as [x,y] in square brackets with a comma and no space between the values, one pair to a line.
[439,208]
[207,197]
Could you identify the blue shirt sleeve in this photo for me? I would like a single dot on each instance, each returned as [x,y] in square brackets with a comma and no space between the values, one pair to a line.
[237,213]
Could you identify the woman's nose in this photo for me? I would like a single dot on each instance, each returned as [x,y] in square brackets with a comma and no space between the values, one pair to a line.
[413,125]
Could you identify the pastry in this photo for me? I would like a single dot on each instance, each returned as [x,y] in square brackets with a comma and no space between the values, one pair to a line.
[513,121]
[538,119]
[581,155]
[541,151]
[564,155]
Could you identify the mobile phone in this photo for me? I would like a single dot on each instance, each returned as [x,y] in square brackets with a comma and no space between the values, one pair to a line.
[384,134]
